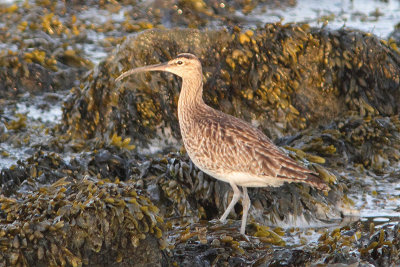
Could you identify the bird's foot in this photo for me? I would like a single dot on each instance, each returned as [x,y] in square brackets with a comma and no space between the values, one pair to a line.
[246,237]
[214,221]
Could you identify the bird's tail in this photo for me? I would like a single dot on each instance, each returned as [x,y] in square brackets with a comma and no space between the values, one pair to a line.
[316,182]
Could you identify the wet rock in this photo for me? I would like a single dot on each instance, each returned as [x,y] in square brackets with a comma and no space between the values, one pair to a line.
[109,165]
[277,92]
[80,223]
[45,167]
[11,179]
[379,246]
[288,257]
[35,53]
[181,191]
[36,79]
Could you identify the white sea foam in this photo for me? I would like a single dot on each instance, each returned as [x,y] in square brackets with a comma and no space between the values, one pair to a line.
[53,114]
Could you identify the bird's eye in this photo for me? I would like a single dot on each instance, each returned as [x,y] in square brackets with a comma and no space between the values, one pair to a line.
[179,62]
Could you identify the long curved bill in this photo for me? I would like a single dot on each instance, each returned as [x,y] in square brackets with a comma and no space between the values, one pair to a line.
[156,67]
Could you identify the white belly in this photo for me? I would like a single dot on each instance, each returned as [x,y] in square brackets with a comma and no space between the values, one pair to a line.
[248,180]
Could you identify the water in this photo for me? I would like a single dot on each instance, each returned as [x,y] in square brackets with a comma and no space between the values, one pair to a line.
[377,17]
[33,112]
[15,154]
[41,112]
[381,202]
[94,49]
[8,2]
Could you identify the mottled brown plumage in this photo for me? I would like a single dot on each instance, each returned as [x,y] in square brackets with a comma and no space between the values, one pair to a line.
[224,146]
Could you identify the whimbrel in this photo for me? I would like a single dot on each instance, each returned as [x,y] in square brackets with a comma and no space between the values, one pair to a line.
[223,146]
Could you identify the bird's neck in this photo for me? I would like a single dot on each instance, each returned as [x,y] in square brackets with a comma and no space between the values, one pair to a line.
[191,93]
[190,97]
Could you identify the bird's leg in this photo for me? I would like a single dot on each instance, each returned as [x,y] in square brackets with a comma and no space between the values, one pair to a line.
[235,198]
[246,206]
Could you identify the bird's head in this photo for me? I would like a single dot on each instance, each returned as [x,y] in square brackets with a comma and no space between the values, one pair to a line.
[184,65]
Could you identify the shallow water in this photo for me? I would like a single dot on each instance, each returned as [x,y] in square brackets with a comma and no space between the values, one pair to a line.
[377,17]
[380,203]
[52,114]
[41,111]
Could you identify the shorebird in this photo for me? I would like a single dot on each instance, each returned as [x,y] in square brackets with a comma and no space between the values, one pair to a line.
[225,147]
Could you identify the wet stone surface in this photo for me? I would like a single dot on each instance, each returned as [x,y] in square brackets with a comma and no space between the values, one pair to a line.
[93,172]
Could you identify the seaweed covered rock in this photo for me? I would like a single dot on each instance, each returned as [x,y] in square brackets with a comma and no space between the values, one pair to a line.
[283,77]
[86,194]
[39,55]
[355,243]
[378,246]
[182,192]
[79,223]
[43,167]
